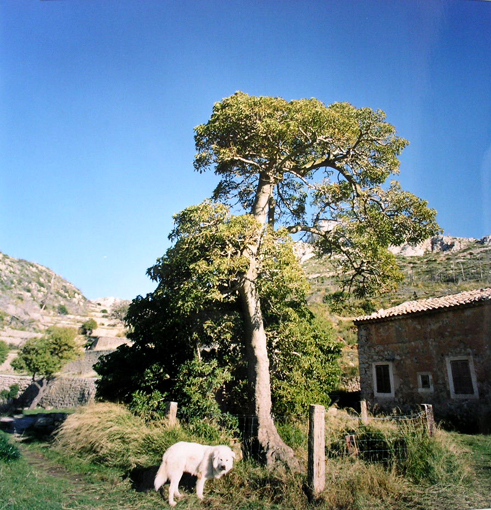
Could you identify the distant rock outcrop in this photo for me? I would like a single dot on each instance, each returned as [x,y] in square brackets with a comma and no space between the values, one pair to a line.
[439,244]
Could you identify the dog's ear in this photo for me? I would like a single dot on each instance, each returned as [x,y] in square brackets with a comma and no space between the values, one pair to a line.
[233,454]
[216,460]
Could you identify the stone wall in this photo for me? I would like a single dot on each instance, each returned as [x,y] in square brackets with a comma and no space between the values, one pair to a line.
[64,392]
[423,343]
[85,364]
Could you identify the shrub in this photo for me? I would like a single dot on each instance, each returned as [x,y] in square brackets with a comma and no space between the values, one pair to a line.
[10,394]
[62,310]
[87,327]
[8,451]
[4,351]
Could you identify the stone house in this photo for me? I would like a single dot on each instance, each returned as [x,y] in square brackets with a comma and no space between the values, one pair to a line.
[433,351]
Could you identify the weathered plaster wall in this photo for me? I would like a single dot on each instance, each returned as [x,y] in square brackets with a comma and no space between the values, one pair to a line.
[420,343]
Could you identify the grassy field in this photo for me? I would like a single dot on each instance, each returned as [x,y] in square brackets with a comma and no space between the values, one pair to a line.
[451,472]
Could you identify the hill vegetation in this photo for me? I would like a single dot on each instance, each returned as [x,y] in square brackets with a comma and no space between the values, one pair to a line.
[441,269]
[33,297]
[28,289]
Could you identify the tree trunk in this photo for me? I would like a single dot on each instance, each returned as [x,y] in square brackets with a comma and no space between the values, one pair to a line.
[271,448]
[41,391]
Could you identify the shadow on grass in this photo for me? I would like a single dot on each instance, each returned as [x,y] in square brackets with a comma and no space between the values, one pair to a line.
[142,479]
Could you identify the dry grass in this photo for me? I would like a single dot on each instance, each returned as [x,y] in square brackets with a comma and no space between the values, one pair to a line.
[109,434]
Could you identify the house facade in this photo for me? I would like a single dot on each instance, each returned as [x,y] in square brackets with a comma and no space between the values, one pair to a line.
[434,351]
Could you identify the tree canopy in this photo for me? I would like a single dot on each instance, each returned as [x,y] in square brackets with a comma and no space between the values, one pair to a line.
[44,357]
[320,170]
[195,312]
[230,285]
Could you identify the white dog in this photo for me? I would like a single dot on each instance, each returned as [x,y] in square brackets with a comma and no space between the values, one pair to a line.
[197,459]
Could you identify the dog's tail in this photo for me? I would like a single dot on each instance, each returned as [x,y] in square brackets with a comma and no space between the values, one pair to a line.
[161,477]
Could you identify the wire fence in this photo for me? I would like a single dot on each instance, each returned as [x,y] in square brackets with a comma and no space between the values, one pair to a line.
[381,439]
[373,439]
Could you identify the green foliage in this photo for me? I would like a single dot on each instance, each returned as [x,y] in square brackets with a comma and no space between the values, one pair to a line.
[62,310]
[197,385]
[4,351]
[149,406]
[324,171]
[196,308]
[10,394]
[88,326]
[46,356]
[8,451]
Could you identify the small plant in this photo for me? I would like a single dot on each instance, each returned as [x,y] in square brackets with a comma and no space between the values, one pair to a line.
[62,310]
[88,327]
[9,395]
[4,351]
[8,451]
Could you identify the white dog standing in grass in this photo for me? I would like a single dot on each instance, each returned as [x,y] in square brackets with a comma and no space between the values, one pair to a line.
[196,459]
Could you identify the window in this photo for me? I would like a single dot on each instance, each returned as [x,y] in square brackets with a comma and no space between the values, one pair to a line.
[462,377]
[383,380]
[425,382]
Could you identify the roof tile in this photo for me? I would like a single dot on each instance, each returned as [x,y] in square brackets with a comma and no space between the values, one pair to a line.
[423,305]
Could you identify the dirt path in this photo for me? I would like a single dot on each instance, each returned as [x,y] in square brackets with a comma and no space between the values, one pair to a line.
[95,490]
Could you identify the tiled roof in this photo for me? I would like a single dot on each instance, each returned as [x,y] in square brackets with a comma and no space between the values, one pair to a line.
[424,305]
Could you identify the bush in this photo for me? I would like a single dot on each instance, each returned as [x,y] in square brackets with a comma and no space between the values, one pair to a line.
[87,327]
[10,394]
[4,351]
[8,451]
[62,310]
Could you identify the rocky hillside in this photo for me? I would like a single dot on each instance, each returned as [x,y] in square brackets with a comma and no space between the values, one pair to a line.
[441,265]
[33,298]
[28,291]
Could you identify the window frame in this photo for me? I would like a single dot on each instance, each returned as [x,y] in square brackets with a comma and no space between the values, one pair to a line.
[465,396]
[421,389]
[391,379]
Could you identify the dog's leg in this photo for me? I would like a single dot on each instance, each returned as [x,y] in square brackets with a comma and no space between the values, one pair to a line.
[174,490]
[200,485]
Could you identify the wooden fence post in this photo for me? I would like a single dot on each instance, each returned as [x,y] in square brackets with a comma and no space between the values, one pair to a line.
[364,412]
[317,451]
[171,412]
[430,419]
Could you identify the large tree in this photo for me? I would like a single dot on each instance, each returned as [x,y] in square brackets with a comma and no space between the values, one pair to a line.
[195,312]
[316,169]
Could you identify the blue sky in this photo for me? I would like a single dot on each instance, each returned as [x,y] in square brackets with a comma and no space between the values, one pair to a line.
[99,98]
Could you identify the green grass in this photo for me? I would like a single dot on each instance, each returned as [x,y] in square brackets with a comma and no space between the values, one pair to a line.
[8,451]
[446,473]
[33,412]
[42,479]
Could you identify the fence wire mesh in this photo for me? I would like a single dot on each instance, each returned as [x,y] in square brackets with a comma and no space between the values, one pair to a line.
[382,439]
